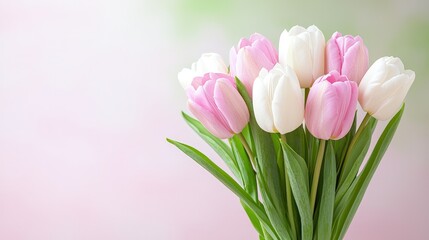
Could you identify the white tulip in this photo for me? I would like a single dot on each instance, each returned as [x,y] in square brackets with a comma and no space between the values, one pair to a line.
[278,100]
[384,87]
[208,62]
[304,51]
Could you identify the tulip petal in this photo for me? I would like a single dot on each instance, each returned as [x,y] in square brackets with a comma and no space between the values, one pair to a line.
[321,110]
[304,51]
[249,62]
[300,61]
[232,61]
[262,105]
[355,62]
[246,69]
[394,66]
[250,56]
[211,62]
[347,95]
[231,105]
[331,108]
[263,58]
[209,120]
[350,61]
[199,97]
[288,104]
[333,55]
[185,77]
[384,87]
[268,51]
[295,30]
[210,91]
[371,82]
[351,110]
[395,90]
[244,42]
[343,91]
[317,48]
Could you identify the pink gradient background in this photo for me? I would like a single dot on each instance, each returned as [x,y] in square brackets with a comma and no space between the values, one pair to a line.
[88,94]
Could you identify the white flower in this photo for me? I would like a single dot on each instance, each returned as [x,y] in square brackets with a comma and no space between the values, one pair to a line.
[208,62]
[277,100]
[384,87]
[304,51]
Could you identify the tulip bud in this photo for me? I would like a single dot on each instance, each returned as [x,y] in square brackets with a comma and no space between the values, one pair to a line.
[348,55]
[208,62]
[303,50]
[331,105]
[215,101]
[384,87]
[277,100]
[249,57]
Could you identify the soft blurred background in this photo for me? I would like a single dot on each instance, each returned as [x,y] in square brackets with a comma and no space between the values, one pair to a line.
[89,92]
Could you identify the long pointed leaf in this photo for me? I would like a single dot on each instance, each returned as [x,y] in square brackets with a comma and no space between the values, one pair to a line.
[298,176]
[326,211]
[220,147]
[249,178]
[253,218]
[296,140]
[268,172]
[228,181]
[312,149]
[358,190]
[276,218]
[354,159]
[245,167]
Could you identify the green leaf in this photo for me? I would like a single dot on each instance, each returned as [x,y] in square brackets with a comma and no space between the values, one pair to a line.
[296,140]
[357,191]
[326,207]
[276,217]
[267,168]
[341,145]
[229,182]
[354,159]
[248,136]
[298,176]
[275,139]
[312,150]
[245,167]
[249,178]
[253,218]
[220,147]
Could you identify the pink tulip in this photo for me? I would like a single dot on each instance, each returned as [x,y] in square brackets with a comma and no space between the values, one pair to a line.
[348,55]
[214,100]
[250,56]
[331,106]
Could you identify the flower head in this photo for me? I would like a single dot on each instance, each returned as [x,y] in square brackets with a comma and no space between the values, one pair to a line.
[303,50]
[331,106]
[214,100]
[208,62]
[277,100]
[384,87]
[249,57]
[348,55]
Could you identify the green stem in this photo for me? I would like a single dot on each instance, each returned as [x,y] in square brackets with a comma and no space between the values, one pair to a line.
[248,150]
[283,137]
[307,91]
[289,206]
[289,197]
[316,174]
[353,142]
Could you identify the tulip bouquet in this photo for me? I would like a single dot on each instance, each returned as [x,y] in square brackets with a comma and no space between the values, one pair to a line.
[285,123]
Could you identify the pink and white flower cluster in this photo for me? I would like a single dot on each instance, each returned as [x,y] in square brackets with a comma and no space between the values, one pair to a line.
[336,72]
